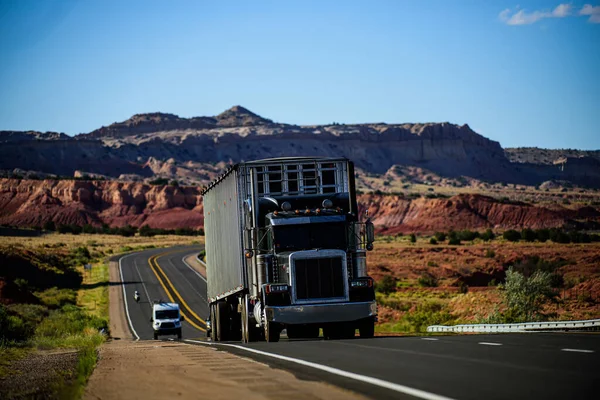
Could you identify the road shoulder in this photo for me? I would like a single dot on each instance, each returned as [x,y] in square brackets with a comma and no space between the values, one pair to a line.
[167,369]
[196,265]
[119,327]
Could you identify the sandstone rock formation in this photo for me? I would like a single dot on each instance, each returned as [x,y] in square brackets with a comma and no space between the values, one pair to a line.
[32,203]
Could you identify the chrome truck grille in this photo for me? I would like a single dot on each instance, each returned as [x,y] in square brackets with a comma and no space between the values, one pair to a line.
[319,278]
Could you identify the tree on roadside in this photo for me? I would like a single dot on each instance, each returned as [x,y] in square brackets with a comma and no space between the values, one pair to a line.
[526,296]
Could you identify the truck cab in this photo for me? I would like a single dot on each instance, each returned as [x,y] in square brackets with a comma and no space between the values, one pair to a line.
[166,319]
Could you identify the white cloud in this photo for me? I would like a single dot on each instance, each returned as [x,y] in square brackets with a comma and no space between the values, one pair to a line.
[523,17]
[593,12]
[562,10]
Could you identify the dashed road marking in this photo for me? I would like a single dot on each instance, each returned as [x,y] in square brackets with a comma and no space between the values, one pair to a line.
[490,344]
[578,350]
[429,338]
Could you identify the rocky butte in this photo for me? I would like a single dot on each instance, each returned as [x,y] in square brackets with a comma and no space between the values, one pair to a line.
[195,149]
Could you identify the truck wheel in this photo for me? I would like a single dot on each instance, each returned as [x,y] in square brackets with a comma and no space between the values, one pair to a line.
[272,331]
[222,321]
[367,328]
[213,323]
[155,336]
[179,334]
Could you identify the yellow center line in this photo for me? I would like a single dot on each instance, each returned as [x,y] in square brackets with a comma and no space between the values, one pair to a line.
[173,287]
[187,319]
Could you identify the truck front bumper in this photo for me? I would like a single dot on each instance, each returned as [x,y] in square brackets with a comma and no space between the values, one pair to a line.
[321,313]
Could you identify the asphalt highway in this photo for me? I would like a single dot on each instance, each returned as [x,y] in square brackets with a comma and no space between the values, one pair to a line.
[501,366]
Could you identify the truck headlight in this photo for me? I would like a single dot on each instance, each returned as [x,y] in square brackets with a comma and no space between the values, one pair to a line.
[276,288]
[361,283]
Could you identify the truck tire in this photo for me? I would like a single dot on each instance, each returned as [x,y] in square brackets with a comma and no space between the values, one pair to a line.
[155,336]
[367,328]
[222,321]
[179,334]
[213,323]
[272,331]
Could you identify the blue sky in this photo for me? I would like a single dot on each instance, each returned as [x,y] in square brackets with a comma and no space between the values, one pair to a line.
[524,73]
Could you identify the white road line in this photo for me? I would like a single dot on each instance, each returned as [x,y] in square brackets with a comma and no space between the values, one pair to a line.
[429,338]
[578,350]
[193,270]
[142,282]
[490,344]
[125,296]
[351,375]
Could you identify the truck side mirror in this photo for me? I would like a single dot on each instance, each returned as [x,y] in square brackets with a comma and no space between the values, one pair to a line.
[370,233]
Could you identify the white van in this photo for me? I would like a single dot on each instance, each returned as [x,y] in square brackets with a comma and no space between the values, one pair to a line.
[166,319]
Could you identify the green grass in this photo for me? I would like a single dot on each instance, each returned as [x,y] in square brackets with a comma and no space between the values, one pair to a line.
[93,295]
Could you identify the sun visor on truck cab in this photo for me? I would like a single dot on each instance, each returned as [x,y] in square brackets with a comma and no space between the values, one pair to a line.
[278,221]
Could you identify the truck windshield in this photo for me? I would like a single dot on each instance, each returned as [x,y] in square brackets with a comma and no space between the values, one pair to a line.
[310,236]
[167,314]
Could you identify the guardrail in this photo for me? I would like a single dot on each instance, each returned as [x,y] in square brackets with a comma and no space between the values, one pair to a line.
[592,324]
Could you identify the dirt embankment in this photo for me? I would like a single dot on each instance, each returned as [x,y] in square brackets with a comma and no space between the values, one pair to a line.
[33,203]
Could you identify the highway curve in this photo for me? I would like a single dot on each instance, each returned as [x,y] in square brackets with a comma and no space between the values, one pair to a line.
[503,366]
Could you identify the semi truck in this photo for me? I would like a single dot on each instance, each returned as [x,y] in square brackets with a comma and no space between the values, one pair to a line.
[286,249]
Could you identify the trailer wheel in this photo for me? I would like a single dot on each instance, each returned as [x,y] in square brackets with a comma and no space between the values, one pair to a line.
[367,328]
[222,321]
[272,331]
[213,323]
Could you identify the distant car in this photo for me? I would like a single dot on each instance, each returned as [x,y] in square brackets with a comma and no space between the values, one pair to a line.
[166,319]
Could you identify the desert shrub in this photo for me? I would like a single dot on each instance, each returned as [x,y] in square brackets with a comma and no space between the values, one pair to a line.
[413,238]
[511,235]
[454,241]
[528,235]
[57,298]
[427,280]
[127,231]
[467,235]
[463,287]
[174,183]
[146,231]
[487,235]
[489,253]
[526,296]
[18,321]
[69,320]
[558,236]
[433,241]
[543,235]
[386,285]
[428,313]
[432,264]
[440,236]
[49,226]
